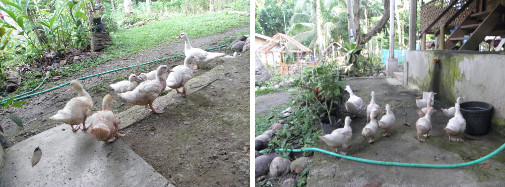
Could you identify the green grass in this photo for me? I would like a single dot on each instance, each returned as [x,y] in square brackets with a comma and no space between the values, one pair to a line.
[135,39]
[127,42]
[263,122]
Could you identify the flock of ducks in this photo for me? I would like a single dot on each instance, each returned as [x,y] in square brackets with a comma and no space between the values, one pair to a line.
[103,125]
[341,138]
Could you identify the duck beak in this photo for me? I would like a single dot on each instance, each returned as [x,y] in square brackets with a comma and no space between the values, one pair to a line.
[138,78]
[170,70]
[180,36]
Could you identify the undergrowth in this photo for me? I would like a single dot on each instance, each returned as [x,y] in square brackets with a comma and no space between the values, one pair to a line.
[131,41]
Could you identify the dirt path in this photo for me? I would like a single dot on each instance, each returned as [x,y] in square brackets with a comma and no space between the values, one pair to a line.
[35,113]
[202,140]
[264,102]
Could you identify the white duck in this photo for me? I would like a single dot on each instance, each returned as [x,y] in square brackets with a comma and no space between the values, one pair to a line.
[228,57]
[451,111]
[149,76]
[196,54]
[104,124]
[143,76]
[127,85]
[148,91]
[372,107]
[387,121]
[371,129]
[176,79]
[339,138]
[423,125]
[456,125]
[77,109]
[424,110]
[354,104]
[423,101]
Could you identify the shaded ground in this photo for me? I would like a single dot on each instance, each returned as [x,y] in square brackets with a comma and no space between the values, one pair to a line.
[39,108]
[264,102]
[402,146]
[203,139]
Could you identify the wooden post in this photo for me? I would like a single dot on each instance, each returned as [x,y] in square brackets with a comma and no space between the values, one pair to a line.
[412,24]
[441,39]
[423,42]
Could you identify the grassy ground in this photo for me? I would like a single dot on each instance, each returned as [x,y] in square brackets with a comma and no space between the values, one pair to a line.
[263,120]
[130,41]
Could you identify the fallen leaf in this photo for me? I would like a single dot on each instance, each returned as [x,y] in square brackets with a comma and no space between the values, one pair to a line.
[16,120]
[271,117]
[108,154]
[486,166]
[372,185]
[63,62]
[57,77]
[1,129]
[37,154]
[406,124]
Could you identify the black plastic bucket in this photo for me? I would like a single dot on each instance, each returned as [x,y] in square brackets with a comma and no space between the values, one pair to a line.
[478,117]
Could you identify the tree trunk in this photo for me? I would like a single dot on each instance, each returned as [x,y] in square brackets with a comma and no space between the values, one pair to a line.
[400,35]
[380,25]
[148,3]
[318,28]
[211,5]
[350,25]
[128,7]
[356,16]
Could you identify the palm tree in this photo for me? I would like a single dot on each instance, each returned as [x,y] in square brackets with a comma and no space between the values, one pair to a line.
[305,23]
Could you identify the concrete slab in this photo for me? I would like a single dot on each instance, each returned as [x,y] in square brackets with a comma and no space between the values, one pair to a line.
[402,146]
[99,164]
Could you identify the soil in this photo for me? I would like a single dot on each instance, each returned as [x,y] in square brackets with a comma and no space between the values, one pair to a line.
[204,139]
[36,112]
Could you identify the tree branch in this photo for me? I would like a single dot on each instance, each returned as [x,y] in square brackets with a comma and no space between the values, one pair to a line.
[379,26]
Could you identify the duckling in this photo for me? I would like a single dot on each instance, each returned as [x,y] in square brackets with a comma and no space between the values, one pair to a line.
[422,102]
[339,138]
[387,121]
[124,86]
[143,76]
[148,91]
[371,129]
[104,124]
[451,111]
[372,107]
[77,109]
[423,111]
[176,79]
[423,125]
[354,104]
[456,125]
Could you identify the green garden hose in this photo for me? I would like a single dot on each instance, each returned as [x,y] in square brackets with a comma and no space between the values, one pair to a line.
[397,163]
[24,95]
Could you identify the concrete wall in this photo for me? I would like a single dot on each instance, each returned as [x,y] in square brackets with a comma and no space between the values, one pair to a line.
[476,76]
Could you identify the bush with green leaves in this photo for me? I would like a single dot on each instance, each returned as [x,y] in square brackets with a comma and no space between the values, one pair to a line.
[320,89]
[319,95]
[47,26]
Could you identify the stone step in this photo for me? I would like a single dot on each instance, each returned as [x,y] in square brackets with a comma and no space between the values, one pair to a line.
[398,76]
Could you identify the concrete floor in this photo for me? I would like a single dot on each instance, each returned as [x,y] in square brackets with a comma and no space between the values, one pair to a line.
[402,146]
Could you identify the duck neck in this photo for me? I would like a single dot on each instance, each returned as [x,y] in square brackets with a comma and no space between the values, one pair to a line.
[82,92]
[350,92]
[428,116]
[187,45]
[373,99]
[106,105]
[458,112]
